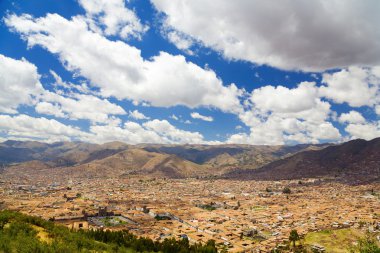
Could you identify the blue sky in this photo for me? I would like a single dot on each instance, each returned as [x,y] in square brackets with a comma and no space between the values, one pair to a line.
[189,71]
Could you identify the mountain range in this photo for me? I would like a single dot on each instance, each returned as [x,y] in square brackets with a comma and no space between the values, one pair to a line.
[358,159]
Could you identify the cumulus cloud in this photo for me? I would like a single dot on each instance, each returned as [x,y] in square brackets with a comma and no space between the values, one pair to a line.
[181,41]
[60,84]
[196,115]
[137,115]
[377,109]
[114,16]
[288,34]
[167,130]
[50,109]
[154,131]
[24,127]
[113,68]
[276,130]
[19,84]
[279,115]
[78,106]
[130,132]
[119,70]
[27,127]
[284,100]
[365,131]
[351,117]
[354,86]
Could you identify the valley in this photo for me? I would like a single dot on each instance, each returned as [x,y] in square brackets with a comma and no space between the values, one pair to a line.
[183,192]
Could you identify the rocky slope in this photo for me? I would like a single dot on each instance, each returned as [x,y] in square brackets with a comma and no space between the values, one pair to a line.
[356,160]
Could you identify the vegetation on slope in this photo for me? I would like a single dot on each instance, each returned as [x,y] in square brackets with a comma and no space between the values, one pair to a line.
[23,233]
[338,241]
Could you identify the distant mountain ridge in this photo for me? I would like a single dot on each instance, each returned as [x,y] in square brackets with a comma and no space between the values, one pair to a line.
[56,154]
[356,160]
[163,160]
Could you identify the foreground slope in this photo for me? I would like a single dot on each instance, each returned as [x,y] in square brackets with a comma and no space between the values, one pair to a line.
[22,233]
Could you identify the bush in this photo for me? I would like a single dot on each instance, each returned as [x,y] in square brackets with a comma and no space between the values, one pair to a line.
[366,245]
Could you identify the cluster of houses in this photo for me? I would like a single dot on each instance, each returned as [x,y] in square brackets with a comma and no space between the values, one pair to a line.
[240,216]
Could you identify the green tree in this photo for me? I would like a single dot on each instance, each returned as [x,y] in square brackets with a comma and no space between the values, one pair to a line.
[366,245]
[19,235]
[293,237]
[286,190]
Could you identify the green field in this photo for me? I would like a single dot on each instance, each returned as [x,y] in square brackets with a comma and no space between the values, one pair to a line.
[335,241]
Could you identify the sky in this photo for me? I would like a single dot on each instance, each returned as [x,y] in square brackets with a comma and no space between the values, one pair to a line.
[278,72]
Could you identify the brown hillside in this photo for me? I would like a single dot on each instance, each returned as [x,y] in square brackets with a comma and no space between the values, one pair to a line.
[356,160]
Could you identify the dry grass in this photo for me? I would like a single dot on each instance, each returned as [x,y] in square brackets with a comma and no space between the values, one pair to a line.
[42,235]
[337,241]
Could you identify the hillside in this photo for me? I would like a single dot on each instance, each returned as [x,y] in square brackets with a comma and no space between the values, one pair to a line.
[56,154]
[22,233]
[356,160]
[224,158]
[138,161]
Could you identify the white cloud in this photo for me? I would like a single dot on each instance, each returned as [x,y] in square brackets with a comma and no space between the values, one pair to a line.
[137,115]
[196,115]
[78,106]
[117,19]
[181,41]
[354,86]
[365,131]
[279,115]
[288,34]
[59,83]
[351,117]
[275,115]
[155,131]
[240,138]
[50,130]
[284,100]
[173,116]
[119,70]
[323,131]
[19,84]
[24,127]
[130,132]
[50,109]
[377,109]
[277,130]
[165,129]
